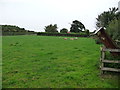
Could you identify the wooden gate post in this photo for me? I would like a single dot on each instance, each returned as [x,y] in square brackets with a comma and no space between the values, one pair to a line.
[102,58]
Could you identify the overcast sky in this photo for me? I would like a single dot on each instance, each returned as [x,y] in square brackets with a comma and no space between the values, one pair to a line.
[36,14]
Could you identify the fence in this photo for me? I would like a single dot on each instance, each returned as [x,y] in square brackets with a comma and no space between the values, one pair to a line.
[103,60]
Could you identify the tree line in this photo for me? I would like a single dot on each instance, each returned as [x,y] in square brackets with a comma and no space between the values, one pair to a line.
[76,27]
[109,19]
[14,30]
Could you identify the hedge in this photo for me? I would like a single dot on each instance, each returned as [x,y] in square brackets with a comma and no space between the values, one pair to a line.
[62,34]
[17,33]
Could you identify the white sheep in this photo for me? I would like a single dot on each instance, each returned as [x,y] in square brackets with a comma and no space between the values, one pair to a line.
[76,38]
[71,38]
[65,38]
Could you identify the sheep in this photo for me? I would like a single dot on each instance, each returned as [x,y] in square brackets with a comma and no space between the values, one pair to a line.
[71,38]
[65,38]
[76,38]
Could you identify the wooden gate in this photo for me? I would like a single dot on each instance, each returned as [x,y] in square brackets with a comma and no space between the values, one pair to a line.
[103,60]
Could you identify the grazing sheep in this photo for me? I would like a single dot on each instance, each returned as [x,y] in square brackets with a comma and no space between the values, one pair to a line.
[71,38]
[76,38]
[65,38]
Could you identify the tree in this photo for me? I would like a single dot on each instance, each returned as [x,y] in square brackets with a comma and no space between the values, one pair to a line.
[51,28]
[77,26]
[113,29]
[12,28]
[118,15]
[111,21]
[64,30]
[87,32]
[106,17]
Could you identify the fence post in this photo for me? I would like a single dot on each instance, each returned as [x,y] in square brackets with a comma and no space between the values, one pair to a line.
[102,58]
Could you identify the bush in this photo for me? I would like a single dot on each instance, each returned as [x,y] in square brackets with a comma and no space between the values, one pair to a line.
[64,30]
[51,28]
[87,32]
[113,29]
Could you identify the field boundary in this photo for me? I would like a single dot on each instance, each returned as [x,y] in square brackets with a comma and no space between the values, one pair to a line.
[103,60]
[62,34]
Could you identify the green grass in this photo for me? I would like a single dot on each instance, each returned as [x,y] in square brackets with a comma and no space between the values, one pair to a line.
[52,62]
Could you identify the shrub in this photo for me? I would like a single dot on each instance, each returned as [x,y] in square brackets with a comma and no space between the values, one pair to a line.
[64,30]
[87,32]
[63,34]
[113,29]
[51,28]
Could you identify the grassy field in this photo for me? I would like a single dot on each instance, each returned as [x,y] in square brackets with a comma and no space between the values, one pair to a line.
[52,62]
